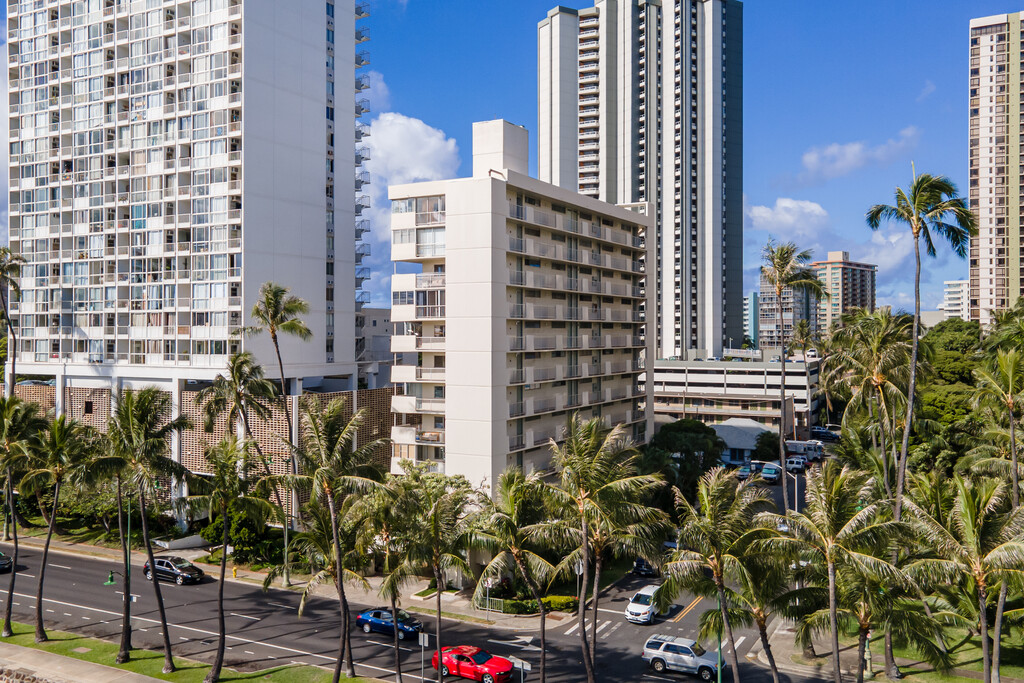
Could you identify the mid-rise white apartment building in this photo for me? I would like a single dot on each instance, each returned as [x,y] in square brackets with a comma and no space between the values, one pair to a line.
[996,178]
[528,307]
[956,299]
[796,306]
[166,159]
[751,320]
[642,101]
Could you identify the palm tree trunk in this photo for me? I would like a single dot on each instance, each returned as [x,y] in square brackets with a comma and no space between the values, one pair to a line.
[997,632]
[40,631]
[892,670]
[286,575]
[126,621]
[12,349]
[986,659]
[398,656]
[342,603]
[762,630]
[168,659]
[1013,461]
[8,631]
[438,579]
[581,613]
[218,659]
[833,618]
[43,511]
[901,466]
[882,410]
[810,395]
[782,404]
[543,615]
[862,638]
[734,662]
[598,565]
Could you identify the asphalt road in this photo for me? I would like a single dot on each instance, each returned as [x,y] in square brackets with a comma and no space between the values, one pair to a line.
[264,630]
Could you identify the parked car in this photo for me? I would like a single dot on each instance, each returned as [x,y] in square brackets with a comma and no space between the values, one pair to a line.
[675,653]
[743,473]
[824,434]
[641,608]
[467,661]
[642,567]
[378,619]
[6,563]
[796,463]
[176,569]
[771,473]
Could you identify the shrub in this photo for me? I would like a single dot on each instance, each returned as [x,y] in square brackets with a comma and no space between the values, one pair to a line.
[249,541]
[554,603]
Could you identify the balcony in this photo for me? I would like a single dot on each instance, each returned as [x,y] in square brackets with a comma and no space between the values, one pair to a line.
[430,281]
[408,435]
[401,374]
[413,405]
[430,374]
[409,343]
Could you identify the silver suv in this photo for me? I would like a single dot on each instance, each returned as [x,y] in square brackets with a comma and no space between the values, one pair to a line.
[671,653]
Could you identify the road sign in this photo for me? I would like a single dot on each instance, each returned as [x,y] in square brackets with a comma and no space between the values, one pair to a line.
[579,567]
[424,639]
[520,664]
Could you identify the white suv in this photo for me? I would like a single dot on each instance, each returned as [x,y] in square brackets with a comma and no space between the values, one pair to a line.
[641,608]
[672,653]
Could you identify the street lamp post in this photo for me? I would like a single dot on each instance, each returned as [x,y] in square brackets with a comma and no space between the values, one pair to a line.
[796,489]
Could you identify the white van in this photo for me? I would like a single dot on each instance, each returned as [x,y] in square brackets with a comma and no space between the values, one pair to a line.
[641,608]
[812,450]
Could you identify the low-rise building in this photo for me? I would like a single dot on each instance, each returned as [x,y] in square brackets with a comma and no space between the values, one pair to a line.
[714,392]
[740,436]
[529,308]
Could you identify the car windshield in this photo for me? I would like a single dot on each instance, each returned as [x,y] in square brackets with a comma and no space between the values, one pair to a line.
[403,615]
[698,650]
[641,599]
[180,563]
[769,470]
[481,657]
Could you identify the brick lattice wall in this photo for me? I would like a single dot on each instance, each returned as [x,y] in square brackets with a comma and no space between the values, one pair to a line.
[78,399]
[43,396]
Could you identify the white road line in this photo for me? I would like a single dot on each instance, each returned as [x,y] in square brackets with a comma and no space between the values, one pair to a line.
[87,618]
[602,626]
[573,629]
[659,678]
[610,611]
[612,630]
[277,604]
[67,614]
[250,652]
[244,616]
[739,641]
[182,638]
[51,611]
[232,637]
[59,566]
[391,645]
[28,575]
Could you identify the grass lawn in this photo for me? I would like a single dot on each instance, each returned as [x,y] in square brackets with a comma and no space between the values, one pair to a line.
[149,662]
[967,654]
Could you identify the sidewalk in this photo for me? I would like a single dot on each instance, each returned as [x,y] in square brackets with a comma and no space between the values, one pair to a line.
[783,642]
[27,665]
[453,605]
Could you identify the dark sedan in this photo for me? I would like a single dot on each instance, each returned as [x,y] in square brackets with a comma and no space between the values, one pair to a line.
[176,569]
[5,563]
[379,619]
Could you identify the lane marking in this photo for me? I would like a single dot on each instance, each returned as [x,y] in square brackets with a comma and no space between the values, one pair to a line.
[573,629]
[612,630]
[31,576]
[390,645]
[610,611]
[244,616]
[689,608]
[602,626]
[739,641]
[249,652]
[59,566]
[277,604]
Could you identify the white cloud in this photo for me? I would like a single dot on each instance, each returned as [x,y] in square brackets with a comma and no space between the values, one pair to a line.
[378,94]
[927,90]
[402,150]
[789,219]
[839,159]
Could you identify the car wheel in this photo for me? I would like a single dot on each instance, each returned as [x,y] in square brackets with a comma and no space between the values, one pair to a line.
[444,670]
[488,678]
[149,575]
[658,665]
[706,674]
[179,579]
[401,634]
[366,628]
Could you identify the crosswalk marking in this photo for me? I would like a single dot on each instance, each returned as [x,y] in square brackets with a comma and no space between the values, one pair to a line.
[739,641]
[573,629]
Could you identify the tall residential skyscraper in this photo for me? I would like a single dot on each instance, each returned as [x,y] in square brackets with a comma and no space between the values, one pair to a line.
[168,158]
[642,101]
[848,283]
[795,306]
[995,176]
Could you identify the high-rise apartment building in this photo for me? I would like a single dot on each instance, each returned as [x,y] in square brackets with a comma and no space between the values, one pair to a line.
[642,101]
[796,306]
[995,175]
[529,308]
[751,322]
[955,298]
[168,158]
[849,285]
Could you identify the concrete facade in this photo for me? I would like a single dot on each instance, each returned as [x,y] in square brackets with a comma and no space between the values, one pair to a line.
[849,285]
[528,308]
[642,101]
[751,320]
[795,306]
[956,296]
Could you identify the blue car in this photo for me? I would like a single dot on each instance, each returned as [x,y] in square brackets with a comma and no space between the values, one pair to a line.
[379,619]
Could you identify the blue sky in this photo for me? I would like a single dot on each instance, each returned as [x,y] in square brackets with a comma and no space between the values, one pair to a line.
[839,98]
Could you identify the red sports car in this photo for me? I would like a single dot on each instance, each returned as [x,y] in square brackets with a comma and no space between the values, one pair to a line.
[473,663]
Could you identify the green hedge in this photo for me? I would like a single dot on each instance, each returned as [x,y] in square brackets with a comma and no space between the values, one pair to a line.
[554,603]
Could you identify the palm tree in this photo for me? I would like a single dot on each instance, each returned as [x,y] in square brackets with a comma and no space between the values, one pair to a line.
[139,430]
[333,467]
[19,423]
[505,531]
[842,521]
[442,531]
[10,270]
[383,517]
[596,467]
[1002,387]
[228,489]
[61,454]
[277,312]
[786,269]
[931,205]
[980,543]
[713,539]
